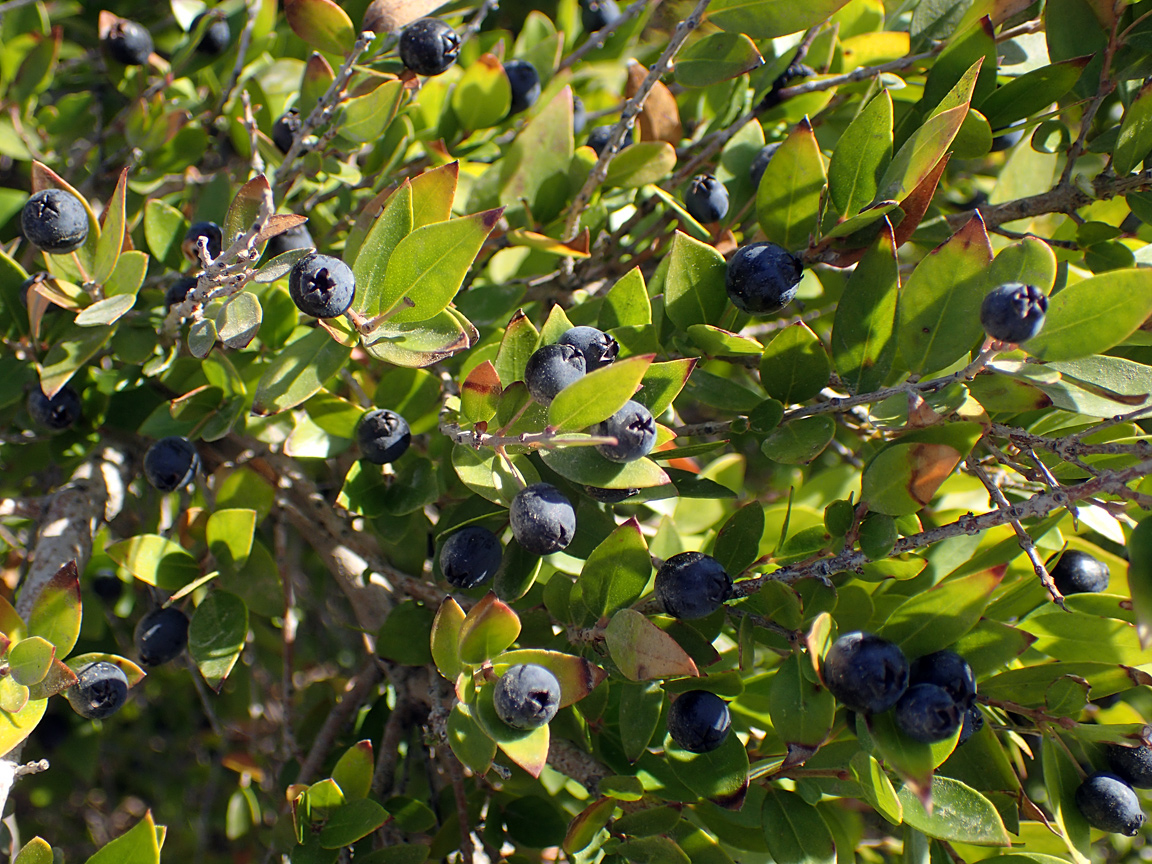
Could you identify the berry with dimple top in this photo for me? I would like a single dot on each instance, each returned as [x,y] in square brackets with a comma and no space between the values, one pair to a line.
[1078,572]
[284,130]
[321,286]
[216,37]
[161,635]
[100,691]
[598,138]
[55,220]
[428,46]
[383,435]
[866,673]
[762,278]
[178,291]
[470,556]
[1013,312]
[550,369]
[57,413]
[972,723]
[698,721]
[706,199]
[692,585]
[1133,765]
[526,696]
[294,238]
[596,346]
[1108,803]
[760,163]
[171,463]
[634,430]
[543,520]
[598,14]
[128,42]
[927,713]
[211,232]
[525,81]
[945,669]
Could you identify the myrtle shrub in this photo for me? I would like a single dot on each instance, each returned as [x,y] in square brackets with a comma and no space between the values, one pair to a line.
[653,432]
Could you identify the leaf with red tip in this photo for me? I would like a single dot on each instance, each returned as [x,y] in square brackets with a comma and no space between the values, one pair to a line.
[488,628]
[133,672]
[643,651]
[56,613]
[322,24]
[111,241]
[58,679]
[433,193]
[576,675]
[245,207]
[480,393]
[353,773]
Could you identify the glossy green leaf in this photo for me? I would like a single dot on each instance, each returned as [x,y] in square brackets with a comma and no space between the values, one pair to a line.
[1140,578]
[767,19]
[939,310]
[641,164]
[788,200]
[35,851]
[794,830]
[652,850]
[138,845]
[1030,261]
[714,342]
[468,741]
[663,382]
[720,774]
[598,395]
[694,291]
[715,58]
[1032,92]
[298,372]
[863,345]
[801,710]
[877,788]
[640,706]
[794,366]
[738,541]
[578,677]
[322,24]
[616,572]
[353,771]
[483,95]
[626,304]
[65,358]
[585,465]
[1135,141]
[433,192]
[56,613]
[30,659]
[164,230]
[245,207]
[216,635]
[527,748]
[959,813]
[534,168]
[112,233]
[1094,315]
[314,83]
[643,651]
[406,636]
[371,263]
[445,638]
[516,346]
[489,627]
[798,442]
[918,155]
[421,343]
[350,822]
[239,321]
[586,824]
[936,618]
[861,157]
[364,118]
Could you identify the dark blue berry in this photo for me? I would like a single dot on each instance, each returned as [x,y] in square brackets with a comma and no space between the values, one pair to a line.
[526,696]
[692,585]
[209,230]
[1013,312]
[55,220]
[216,37]
[1131,764]
[945,669]
[706,199]
[609,496]
[698,721]
[634,430]
[294,238]
[429,46]
[171,463]
[57,413]
[598,138]
[100,691]
[178,290]
[525,81]
[1078,572]
[161,636]
[927,713]
[596,346]
[470,556]
[973,722]
[598,14]
[550,369]
[866,673]
[760,163]
[762,278]
[128,42]
[284,130]
[1108,803]
[321,286]
[543,520]
[383,435]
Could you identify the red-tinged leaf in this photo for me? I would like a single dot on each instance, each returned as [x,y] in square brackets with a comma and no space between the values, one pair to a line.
[446,628]
[353,773]
[480,393]
[528,748]
[433,193]
[660,118]
[488,628]
[56,613]
[576,248]
[863,343]
[643,651]
[915,205]
[322,24]
[577,676]
[58,679]
[245,207]
[133,672]
[316,80]
[11,624]
[111,241]
[586,824]
[278,224]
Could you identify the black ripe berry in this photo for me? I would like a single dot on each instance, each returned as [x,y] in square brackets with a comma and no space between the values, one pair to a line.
[945,669]
[100,691]
[927,713]
[762,278]
[57,413]
[692,585]
[596,346]
[321,286]
[634,430]
[1133,765]
[128,42]
[1108,803]
[972,723]
[428,46]
[178,291]
[470,556]
[54,220]
[543,520]
[526,696]
[1078,572]
[216,37]
[171,463]
[706,199]
[383,435]
[550,369]
[285,128]
[598,138]
[609,496]
[1013,312]
[212,234]
[161,636]
[598,14]
[294,238]
[525,81]
[866,673]
[760,163]
[698,721]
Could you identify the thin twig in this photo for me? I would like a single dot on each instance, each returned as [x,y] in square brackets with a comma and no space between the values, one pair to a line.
[597,39]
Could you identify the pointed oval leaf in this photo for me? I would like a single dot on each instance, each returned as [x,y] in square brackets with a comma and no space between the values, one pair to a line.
[794,830]
[66,357]
[801,710]
[364,119]
[56,613]
[350,822]
[216,635]
[715,58]
[446,628]
[139,845]
[528,748]
[433,193]
[131,671]
[1094,315]
[488,628]
[229,534]
[767,19]
[585,465]
[934,619]
[663,382]
[164,230]
[794,366]
[583,828]
[788,200]
[35,851]
[694,291]
[468,741]
[245,207]
[239,320]
[626,304]
[643,651]
[878,789]
[111,241]
[959,813]
[322,24]
[861,156]
[617,571]
[483,94]
[298,372]
[641,164]
[598,395]
[155,560]
[202,338]
[863,346]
